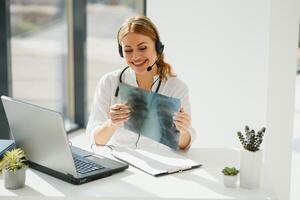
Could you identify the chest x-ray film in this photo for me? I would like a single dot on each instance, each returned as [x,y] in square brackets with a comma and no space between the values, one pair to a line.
[151,114]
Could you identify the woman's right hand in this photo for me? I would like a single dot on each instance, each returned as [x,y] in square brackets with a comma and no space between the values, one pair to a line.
[119,113]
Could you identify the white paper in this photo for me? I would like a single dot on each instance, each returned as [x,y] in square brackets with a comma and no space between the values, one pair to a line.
[154,161]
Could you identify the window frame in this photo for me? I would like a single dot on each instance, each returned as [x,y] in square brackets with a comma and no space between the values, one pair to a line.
[5,63]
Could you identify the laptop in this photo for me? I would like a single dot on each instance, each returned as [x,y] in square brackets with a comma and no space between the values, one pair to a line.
[41,134]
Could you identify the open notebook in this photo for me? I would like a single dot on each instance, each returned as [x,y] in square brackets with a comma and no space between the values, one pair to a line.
[155,161]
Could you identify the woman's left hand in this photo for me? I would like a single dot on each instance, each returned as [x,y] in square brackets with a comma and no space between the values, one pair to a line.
[182,121]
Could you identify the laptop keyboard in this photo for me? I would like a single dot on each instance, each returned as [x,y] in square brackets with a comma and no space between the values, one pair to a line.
[84,166]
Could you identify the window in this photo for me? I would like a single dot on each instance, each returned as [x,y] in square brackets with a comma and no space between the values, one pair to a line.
[39,50]
[44,62]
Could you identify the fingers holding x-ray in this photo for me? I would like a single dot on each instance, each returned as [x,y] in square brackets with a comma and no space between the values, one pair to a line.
[119,113]
[182,120]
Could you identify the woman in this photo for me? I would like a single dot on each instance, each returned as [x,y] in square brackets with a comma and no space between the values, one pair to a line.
[139,44]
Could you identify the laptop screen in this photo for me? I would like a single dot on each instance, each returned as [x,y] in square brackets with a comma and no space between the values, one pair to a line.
[41,133]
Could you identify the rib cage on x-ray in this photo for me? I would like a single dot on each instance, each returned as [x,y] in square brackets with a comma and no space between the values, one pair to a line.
[138,110]
[169,132]
[151,114]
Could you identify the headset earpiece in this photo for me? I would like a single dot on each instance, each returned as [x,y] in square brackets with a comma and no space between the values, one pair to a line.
[120,51]
[159,47]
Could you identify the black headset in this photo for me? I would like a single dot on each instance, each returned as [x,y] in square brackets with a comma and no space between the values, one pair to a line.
[158,44]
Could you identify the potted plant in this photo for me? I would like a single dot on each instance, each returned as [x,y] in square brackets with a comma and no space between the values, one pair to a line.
[251,157]
[13,166]
[230,176]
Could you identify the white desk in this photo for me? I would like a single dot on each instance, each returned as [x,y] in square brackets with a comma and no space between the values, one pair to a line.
[203,183]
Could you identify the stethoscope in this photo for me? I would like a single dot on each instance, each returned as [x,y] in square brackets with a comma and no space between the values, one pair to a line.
[120,81]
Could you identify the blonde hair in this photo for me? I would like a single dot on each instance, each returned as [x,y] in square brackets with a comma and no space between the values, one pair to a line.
[143,25]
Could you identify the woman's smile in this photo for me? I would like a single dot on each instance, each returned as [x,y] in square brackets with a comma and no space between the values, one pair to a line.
[139,63]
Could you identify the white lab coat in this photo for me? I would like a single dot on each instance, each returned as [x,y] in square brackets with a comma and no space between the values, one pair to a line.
[105,97]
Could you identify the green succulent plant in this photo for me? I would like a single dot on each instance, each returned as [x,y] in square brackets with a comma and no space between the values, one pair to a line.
[13,160]
[250,140]
[230,171]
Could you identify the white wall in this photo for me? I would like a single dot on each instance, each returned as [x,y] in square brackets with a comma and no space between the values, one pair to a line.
[220,49]
[284,27]
[234,59]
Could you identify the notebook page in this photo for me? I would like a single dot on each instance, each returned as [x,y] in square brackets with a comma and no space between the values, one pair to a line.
[154,161]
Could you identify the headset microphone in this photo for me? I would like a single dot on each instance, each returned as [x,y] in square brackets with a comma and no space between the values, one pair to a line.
[161,52]
[150,67]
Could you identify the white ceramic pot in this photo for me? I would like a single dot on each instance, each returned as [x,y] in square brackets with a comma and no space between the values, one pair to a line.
[250,169]
[14,179]
[230,181]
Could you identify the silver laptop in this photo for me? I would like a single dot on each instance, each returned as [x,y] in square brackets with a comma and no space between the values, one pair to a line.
[41,133]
